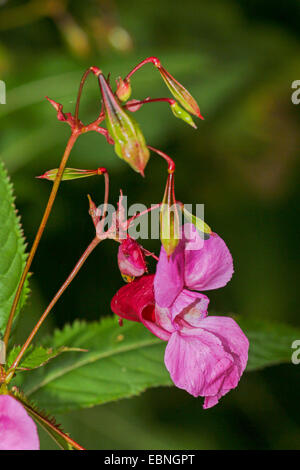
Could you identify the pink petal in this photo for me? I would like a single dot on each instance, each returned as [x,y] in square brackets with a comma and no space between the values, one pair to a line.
[192,238]
[169,277]
[190,306]
[163,319]
[197,361]
[18,431]
[232,337]
[135,302]
[208,268]
[130,301]
[204,363]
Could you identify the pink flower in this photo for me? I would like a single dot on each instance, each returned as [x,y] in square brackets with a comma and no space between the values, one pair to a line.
[206,356]
[17,430]
[131,260]
[196,264]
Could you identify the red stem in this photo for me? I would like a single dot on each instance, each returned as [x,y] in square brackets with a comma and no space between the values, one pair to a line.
[146,211]
[154,60]
[40,231]
[59,293]
[169,160]
[151,100]
[95,71]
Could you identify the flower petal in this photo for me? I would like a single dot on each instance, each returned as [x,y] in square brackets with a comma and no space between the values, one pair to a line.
[232,337]
[135,302]
[208,268]
[191,307]
[18,430]
[192,238]
[198,363]
[163,318]
[169,277]
[130,301]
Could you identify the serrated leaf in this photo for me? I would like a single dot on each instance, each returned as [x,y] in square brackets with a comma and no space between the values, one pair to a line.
[125,361]
[36,356]
[12,251]
[121,362]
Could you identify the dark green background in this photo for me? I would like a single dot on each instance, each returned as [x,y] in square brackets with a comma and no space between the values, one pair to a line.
[239,59]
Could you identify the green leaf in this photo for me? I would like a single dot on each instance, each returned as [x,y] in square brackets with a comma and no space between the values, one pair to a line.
[123,362]
[12,250]
[270,343]
[36,356]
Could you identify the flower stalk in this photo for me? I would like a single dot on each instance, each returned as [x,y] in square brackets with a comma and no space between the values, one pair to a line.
[40,231]
[57,296]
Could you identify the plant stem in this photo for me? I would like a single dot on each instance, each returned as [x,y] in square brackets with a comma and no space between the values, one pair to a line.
[154,60]
[40,231]
[82,82]
[151,100]
[95,71]
[140,214]
[171,163]
[59,293]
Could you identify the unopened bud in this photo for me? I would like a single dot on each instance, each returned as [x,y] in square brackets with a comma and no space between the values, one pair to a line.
[131,260]
[200,225]
[169,219]
[180,93]
[123,89]
[71,174]
[182,114]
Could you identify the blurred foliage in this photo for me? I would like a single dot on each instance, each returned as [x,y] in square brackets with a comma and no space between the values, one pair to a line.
[238,58]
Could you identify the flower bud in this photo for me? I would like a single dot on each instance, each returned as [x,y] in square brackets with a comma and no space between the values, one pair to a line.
[169,219]
[182,114]
[129,141]
[131,260]
[200,225]
[71,174]
[180,93]
[123,89]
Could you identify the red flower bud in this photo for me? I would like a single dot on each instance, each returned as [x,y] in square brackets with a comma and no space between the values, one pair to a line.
[123,89]
[131,259]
